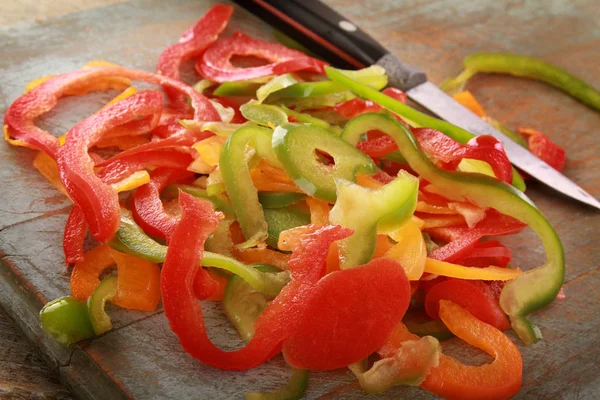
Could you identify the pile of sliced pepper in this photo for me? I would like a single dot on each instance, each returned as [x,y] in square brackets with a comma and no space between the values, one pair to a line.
[319,208]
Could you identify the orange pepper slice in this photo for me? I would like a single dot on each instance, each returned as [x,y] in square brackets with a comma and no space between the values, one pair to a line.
[49,170]
[319,211]
[86,273]
[439,221]
[267,178]
[138,282]
[257,255]
[368,181]
[433,209]
[452,379]
[469,101]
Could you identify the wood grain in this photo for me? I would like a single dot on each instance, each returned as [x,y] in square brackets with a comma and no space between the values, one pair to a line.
[141,358]
[23,372]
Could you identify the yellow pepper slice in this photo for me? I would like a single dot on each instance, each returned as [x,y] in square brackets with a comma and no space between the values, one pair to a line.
[410,250]
[131,182]
[490,273]
[209,149]
[14,142]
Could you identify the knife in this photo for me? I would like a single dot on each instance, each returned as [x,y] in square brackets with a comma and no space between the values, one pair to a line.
[345,45]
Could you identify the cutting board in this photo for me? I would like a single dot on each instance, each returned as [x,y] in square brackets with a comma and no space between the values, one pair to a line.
[141,358]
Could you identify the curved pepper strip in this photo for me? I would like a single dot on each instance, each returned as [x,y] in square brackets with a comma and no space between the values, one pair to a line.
[147,207]
[175,142]
[463,239]
[98,201]
[85,275]
[296,146]
[131,239]
[528,67]
[120,169]
[368,211]
[215,63]
[485,148]
[408,365]
[235,172]
[409,113]
[501,379]
[544,148]
[489,273]
[272,327]
[48,169]
[22,113]
[138,283]
[476,297]
[491,252]
[354,107]
[192,43]
[75,231]
[534,289]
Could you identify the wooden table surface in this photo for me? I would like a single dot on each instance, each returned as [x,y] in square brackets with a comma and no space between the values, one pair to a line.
[434,35]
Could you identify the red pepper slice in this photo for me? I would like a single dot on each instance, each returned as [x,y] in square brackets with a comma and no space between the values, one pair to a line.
[192,43]
[21,115]
[272,327]
[487,253]
[450,152]
[209,285]
[215,64]
[544,148]
[348,316]
[74,235]
[378,147]
[475,296]
[462,239]
[184,139]
[147,208]
[353,107]
[98,201]
[120,168]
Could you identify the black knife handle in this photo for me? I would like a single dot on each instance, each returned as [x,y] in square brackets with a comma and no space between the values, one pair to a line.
[330,35]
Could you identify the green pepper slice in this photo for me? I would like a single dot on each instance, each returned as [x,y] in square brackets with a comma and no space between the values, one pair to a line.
[243,305]
[417,118]
[218,201]
[314,102]
[242,88]
[373,76]
[263,114]
[283,218]
[66,320]
[106,290]
[279,199]
[534,289]
[276,84]
[528,67]
[367,211]
[236,176]
[296,148]
[293,390]
[305,118]
[131,239]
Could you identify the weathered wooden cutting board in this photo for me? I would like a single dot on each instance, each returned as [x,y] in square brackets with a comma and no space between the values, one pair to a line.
[140,357]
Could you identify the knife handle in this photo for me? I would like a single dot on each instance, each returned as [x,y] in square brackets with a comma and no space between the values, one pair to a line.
[330,36]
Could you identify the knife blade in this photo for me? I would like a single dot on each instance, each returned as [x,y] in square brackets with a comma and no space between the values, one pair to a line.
[345,45]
